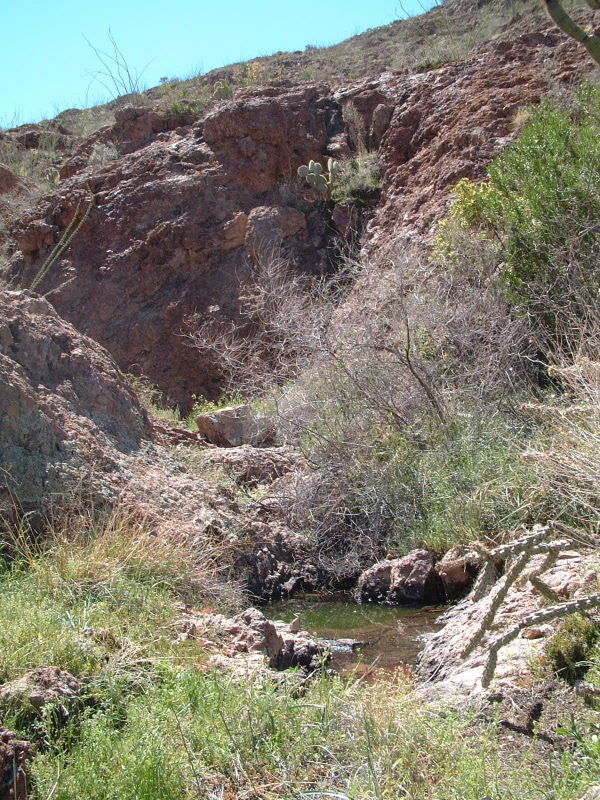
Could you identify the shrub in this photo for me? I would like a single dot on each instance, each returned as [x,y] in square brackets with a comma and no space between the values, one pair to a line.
[540,210]
[568,651]
[358,180]
[280,328]
[432,484]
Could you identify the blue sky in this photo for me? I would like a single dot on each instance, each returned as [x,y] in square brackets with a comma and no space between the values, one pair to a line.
[44,59]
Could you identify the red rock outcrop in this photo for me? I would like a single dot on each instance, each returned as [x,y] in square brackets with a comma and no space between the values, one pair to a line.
[175,225]
[253,640]
[38,688]
[435,128]
[180,214]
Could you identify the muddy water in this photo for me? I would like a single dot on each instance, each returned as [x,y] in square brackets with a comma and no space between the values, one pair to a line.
[389,635]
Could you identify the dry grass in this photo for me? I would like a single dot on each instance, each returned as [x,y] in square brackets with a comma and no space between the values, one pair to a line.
[91,551]
[571,462]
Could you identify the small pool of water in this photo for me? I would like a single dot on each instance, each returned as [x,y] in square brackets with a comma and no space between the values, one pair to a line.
[389,635]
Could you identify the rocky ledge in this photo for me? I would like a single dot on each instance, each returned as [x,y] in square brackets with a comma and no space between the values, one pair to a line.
[251,642]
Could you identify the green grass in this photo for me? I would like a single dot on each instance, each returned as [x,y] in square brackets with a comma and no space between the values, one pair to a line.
[469,482]
[197,735]
[157,724]
[358,181]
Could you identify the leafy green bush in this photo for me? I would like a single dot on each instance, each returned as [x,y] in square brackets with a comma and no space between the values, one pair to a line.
[540,209]
[358,180]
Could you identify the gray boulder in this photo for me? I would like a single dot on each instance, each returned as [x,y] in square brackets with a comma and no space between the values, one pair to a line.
[233,427]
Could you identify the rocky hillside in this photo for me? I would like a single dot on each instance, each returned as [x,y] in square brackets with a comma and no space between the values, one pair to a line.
[410,369]
[171,223]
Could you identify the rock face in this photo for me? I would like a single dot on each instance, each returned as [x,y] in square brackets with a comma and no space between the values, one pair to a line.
[449,123]
[177,220]
[232,427]
[412,579]
[65,410]
[8,179]
[71,427]
[181,211]
[15,192]
[14,755]
[281,561]
[38,688]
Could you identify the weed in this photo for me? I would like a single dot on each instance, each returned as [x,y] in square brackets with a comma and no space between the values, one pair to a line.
[568,651]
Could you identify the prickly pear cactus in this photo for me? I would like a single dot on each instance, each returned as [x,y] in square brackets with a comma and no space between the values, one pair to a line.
[315,176]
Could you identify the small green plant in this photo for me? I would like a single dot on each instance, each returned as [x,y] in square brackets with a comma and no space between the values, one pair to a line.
[223,89]
[358,180]
[568,651]
[250,74]
[204,406]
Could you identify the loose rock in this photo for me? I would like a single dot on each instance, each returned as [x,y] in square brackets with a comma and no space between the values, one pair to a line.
[14,755]
[38,688]
[232,427]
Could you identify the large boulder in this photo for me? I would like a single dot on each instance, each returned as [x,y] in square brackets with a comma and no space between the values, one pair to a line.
[66,413]
[411,579]
[232,427]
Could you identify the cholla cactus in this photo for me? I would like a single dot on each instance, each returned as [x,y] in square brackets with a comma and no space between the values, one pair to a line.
[315,176]
[541,540]
[535,618]
[568,25]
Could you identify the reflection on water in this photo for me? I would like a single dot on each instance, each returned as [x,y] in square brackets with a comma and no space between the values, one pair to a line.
[389,635]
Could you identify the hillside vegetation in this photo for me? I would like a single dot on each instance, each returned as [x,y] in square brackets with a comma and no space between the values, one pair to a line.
[446,33]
